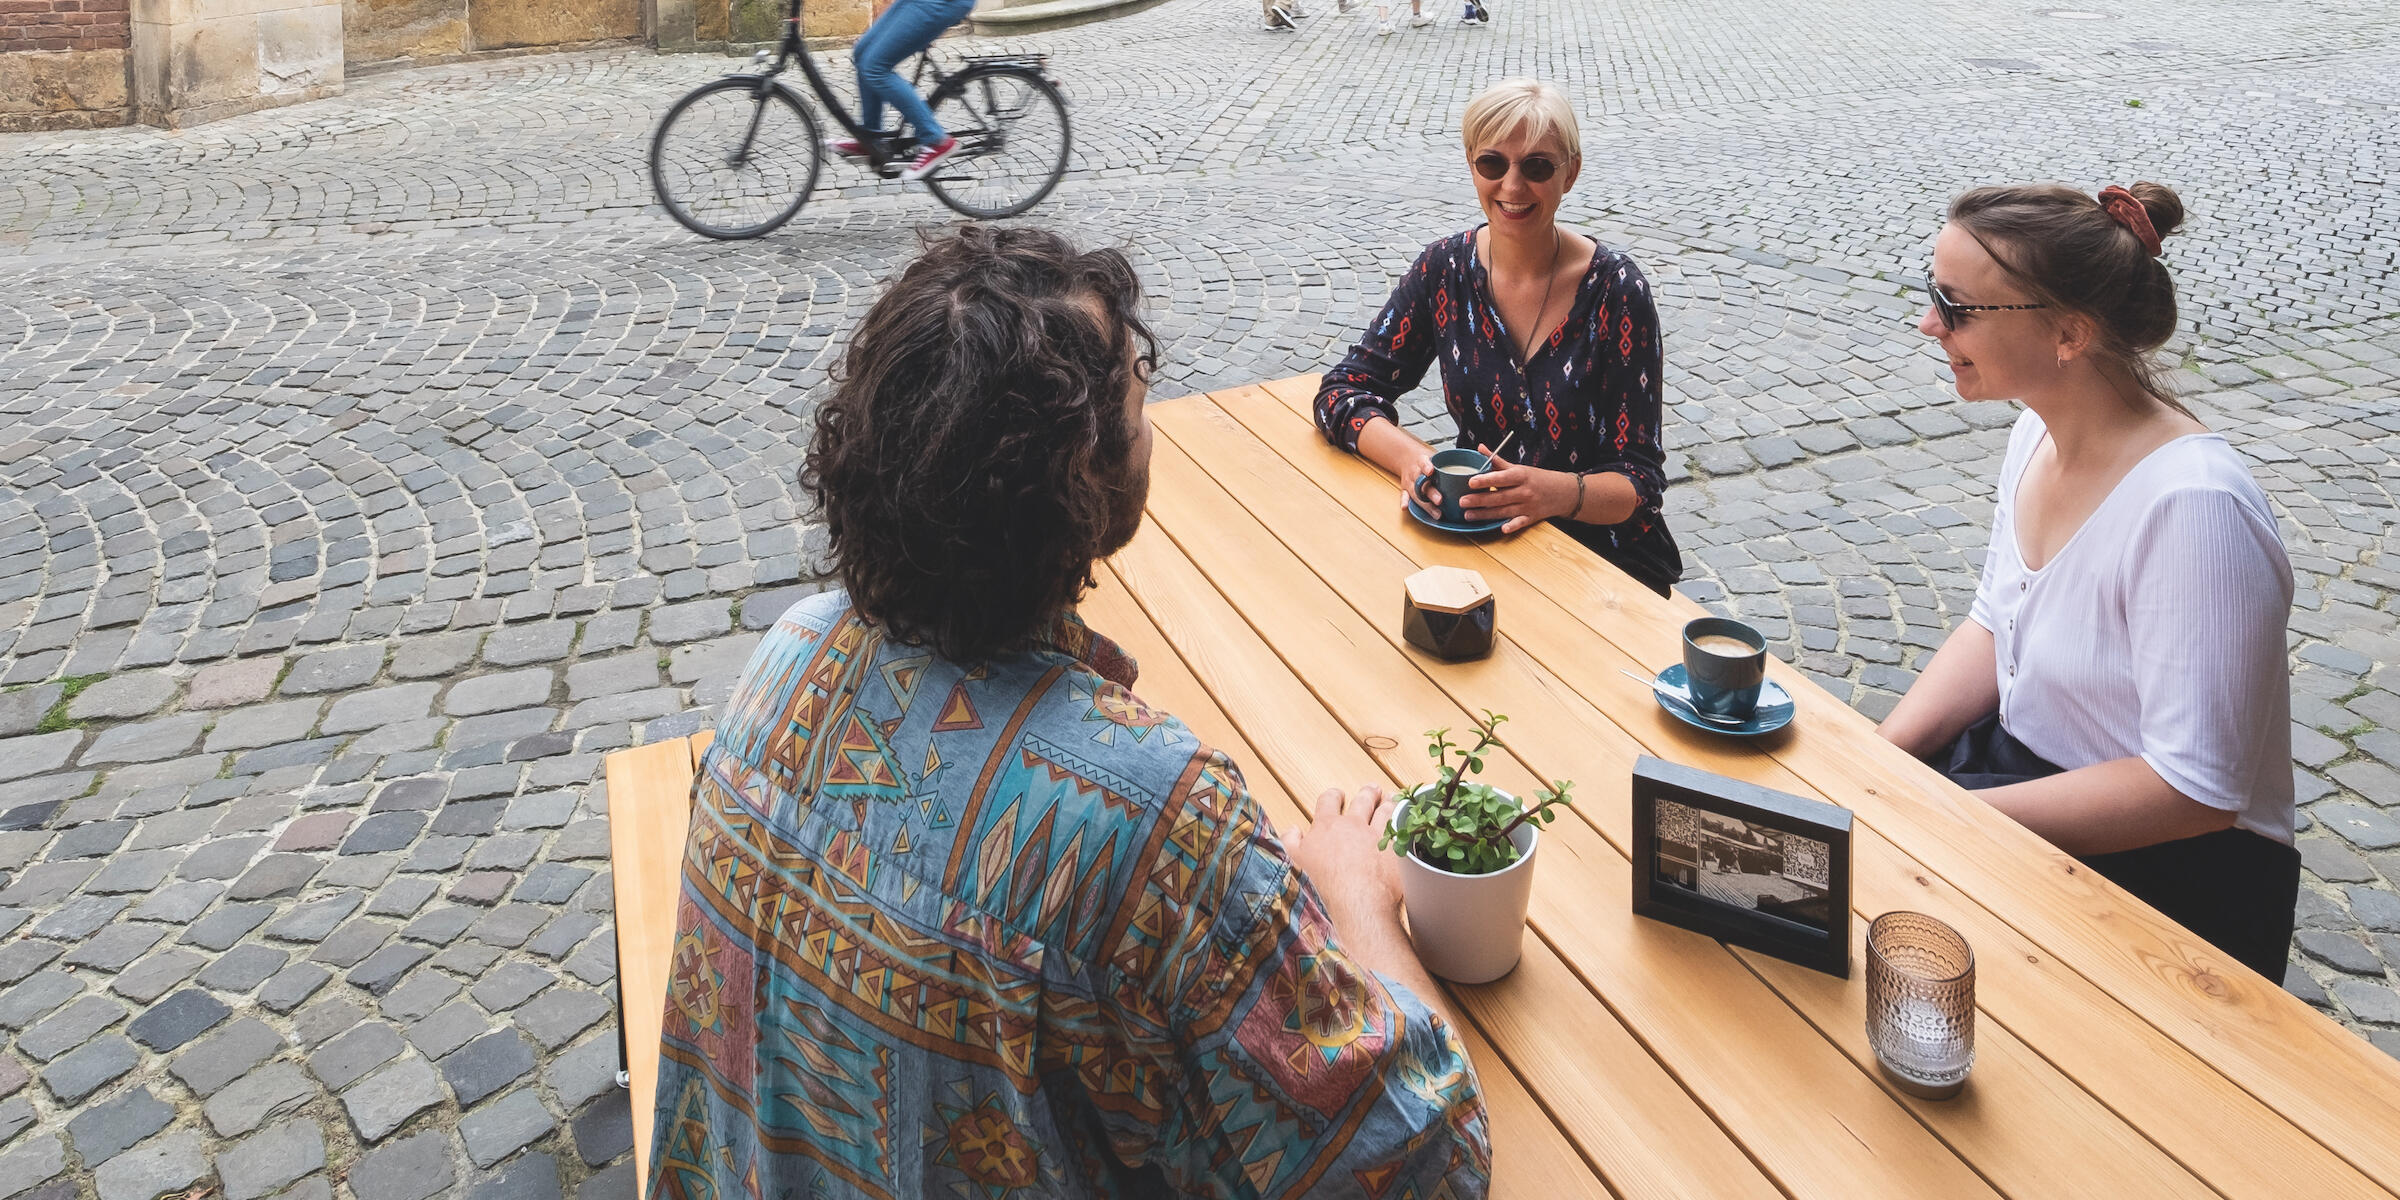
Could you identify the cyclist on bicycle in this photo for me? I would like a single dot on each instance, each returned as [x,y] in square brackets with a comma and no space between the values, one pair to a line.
[904,29]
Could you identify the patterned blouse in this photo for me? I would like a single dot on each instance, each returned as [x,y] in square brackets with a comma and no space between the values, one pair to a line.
[1008,932]
[1587,400]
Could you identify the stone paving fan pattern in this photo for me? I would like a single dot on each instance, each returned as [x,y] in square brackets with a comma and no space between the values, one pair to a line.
[372,467]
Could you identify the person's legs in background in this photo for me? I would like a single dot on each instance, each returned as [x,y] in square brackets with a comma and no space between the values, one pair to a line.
[905,28]
[870,102]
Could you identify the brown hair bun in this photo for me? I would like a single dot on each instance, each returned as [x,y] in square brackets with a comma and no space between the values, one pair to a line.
[2163,205]
[2068,253]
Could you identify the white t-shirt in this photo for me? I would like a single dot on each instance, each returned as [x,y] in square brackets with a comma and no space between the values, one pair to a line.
[2157,630]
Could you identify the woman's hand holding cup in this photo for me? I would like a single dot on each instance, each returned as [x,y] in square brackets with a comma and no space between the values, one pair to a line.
[1519,494]
[1417,481]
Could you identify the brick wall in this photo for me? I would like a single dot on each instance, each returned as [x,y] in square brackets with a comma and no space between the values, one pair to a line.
[65,24]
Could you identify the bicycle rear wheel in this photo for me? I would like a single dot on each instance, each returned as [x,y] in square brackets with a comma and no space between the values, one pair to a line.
[735,158]
[1011,126]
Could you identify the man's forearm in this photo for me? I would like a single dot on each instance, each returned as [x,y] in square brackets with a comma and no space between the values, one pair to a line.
[1378,943]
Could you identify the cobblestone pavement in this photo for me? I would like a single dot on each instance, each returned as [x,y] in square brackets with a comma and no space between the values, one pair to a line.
[373,466]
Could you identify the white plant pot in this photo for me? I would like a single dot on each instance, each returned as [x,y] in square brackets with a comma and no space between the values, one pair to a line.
[1469,928]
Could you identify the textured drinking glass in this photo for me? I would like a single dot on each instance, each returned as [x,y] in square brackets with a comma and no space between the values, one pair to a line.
[1921,1003]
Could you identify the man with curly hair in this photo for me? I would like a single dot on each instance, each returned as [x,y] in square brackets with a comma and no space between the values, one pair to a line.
[961,915]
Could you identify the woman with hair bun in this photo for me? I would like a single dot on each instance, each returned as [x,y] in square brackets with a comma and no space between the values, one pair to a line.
[2121,686]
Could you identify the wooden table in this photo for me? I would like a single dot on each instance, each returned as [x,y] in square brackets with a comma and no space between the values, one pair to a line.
[2117,1055]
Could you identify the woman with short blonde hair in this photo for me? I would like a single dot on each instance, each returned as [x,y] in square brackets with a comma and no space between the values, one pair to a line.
[1549,348]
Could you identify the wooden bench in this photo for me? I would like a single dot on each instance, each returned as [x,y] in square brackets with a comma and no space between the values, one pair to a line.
[649,810]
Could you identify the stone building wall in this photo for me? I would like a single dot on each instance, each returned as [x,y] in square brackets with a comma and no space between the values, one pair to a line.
[198,60]
[63,63]
[715,24]
[377,32]
[86,63]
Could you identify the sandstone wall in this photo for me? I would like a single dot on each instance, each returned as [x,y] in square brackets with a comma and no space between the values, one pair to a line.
[386,31]
[63,63]
[717,23]
[198,60]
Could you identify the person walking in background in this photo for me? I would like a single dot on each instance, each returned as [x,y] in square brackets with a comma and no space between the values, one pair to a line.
[1284,16]
[1416,16]
[2121,686]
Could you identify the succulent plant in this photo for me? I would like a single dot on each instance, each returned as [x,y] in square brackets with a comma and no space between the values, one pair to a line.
[1464,827]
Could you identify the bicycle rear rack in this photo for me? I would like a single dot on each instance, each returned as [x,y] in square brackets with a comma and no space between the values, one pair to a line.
[1036,61]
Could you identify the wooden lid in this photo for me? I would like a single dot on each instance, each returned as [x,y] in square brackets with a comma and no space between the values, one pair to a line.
[1447,589]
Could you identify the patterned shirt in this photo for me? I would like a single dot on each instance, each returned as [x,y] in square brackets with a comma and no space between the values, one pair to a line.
[1005,931]
[1587,399]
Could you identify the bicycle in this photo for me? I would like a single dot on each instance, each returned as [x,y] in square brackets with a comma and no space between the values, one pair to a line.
[723,165]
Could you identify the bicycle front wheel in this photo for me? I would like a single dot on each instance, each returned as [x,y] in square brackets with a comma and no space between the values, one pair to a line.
[735,158]
[1011,127]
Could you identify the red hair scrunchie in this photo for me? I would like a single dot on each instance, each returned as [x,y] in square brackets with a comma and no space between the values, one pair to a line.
[2127,209]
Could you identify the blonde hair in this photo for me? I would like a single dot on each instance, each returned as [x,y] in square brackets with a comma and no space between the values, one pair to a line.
[1526,106]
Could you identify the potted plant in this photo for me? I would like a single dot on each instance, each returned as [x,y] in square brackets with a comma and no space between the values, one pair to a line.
[1467,859]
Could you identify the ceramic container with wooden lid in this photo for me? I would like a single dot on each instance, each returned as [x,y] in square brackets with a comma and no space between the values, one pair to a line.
[1450,614]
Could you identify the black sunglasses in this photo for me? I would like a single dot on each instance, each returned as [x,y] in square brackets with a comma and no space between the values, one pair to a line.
[1536,168]
[1953,314]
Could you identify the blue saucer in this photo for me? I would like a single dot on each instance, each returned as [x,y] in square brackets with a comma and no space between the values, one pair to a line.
[1435,520]
[1775,707]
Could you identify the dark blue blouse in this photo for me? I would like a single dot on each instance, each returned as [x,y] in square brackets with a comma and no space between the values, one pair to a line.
[1587,400]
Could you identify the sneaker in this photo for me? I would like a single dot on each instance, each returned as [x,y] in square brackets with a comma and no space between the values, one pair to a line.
[1279,20]
[1483,15]
[1384,25]
[1419,20]
[929,158]
[846,147]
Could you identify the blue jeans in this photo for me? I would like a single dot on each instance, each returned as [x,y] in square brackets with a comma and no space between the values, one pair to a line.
[905,28]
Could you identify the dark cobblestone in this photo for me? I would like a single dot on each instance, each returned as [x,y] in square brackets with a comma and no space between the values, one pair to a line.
[104,1131]
[226,1055]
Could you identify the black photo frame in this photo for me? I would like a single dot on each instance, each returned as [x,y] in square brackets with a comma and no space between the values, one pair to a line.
[1720,838]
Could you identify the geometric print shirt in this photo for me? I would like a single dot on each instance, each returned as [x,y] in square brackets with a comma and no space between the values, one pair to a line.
[1587,398]
[1005,931]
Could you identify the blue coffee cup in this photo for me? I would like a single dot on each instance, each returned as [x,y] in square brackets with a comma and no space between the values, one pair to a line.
[1724,664]
[1454,470]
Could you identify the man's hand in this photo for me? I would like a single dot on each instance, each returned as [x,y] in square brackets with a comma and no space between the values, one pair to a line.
[1337,852]
[1360,886]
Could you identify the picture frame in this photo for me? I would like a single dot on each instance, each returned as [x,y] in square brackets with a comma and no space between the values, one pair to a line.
[1746,865]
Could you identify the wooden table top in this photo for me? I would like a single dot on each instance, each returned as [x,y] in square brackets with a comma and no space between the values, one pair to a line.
[2117,1055]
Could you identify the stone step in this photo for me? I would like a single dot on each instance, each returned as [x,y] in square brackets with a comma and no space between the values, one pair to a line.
[1051,14]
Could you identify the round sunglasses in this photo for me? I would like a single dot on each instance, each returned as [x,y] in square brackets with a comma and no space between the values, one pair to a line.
[1953,314]
[1536,168]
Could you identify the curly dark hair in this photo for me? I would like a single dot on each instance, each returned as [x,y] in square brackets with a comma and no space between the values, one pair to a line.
[973,461]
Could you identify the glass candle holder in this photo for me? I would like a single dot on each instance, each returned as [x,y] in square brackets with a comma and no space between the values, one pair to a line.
[1921,1003]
